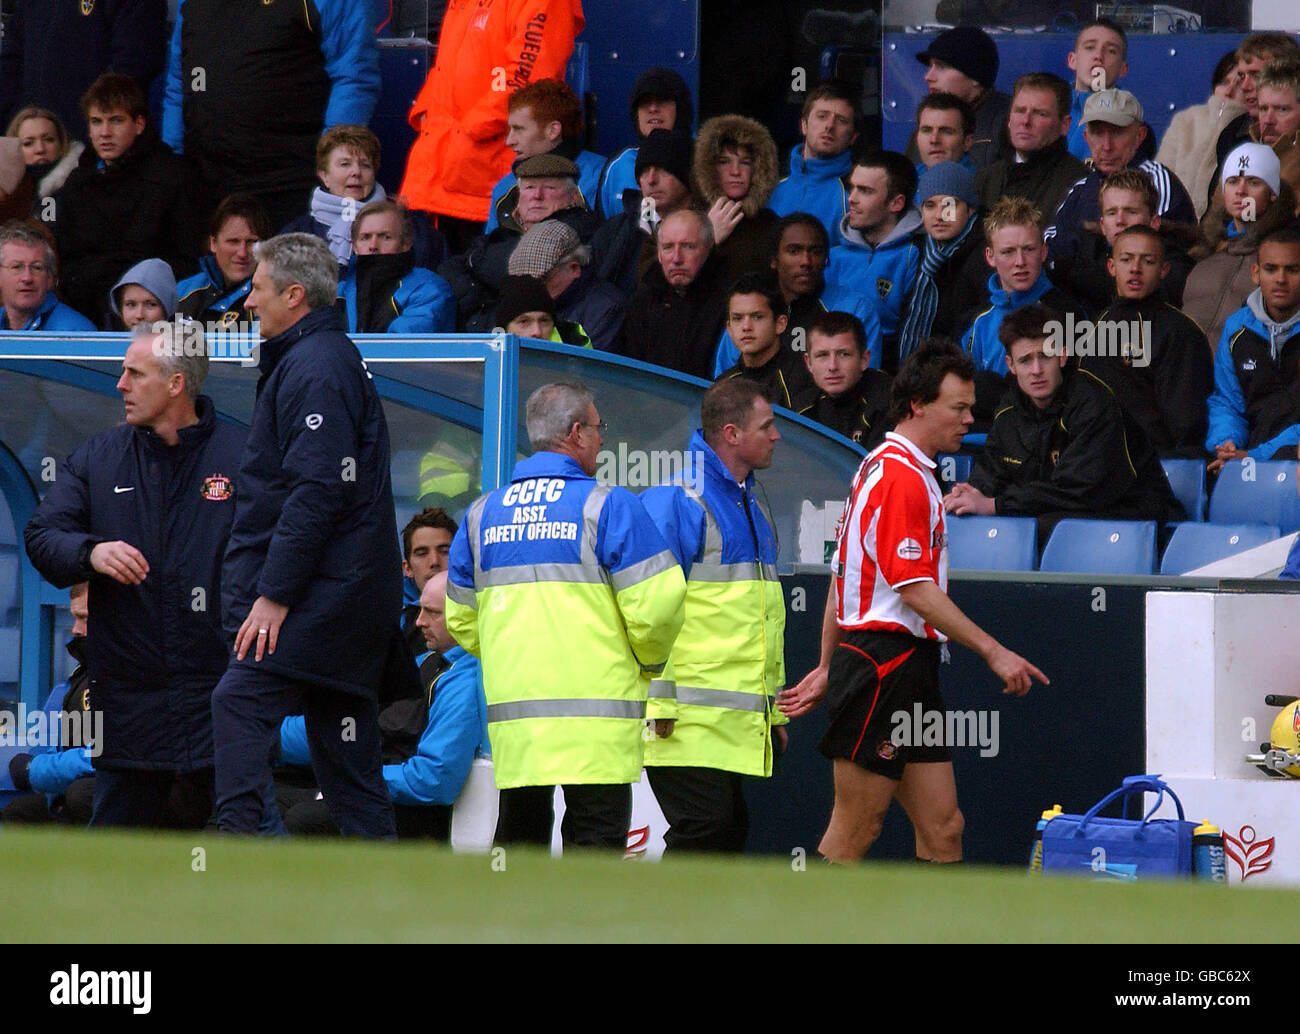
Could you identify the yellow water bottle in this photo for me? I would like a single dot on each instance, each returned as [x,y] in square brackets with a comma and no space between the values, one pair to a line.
[1036,855]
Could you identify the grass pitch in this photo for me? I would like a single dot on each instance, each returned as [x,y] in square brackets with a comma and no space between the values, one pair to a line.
[74,886]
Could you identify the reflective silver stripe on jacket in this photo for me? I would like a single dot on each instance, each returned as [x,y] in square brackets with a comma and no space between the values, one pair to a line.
[710,568]
[572,708]
[662,689]
[721,698]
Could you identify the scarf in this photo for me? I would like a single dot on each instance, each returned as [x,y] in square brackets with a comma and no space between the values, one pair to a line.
[924,303]
[337,213]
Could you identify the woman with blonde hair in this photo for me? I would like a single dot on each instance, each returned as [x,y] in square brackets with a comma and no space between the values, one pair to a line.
[49,154]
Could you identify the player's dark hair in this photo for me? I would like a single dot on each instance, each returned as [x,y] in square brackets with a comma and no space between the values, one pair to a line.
[728,402]
[763,283]
[834,323]
[1028,323]
[797,219]
[900,173]
[1285,235]
[113,92]
[922,373]
[429,517]
[941,101]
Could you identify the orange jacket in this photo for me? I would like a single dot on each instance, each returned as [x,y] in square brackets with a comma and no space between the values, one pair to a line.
[487,49]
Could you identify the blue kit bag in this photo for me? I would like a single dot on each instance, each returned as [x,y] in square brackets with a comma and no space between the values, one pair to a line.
[1124,848]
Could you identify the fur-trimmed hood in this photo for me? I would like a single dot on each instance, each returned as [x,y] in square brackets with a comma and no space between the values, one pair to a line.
[745,132]
[1214,226]
[51,177]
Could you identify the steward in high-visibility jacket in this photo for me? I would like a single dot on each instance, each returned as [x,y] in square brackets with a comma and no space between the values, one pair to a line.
[569,595]
[728,661]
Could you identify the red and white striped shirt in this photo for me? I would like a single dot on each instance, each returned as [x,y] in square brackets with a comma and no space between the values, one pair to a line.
[891,534]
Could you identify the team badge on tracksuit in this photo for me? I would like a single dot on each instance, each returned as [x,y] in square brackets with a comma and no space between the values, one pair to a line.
[216,488]
[87,7]
[884,286]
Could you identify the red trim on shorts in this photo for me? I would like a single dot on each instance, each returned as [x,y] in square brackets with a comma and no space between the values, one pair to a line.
[880,679]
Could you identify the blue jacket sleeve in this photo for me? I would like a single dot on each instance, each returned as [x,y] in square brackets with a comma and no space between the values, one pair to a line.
[679,519]
[435,773]
[58,532]
[1227,405]
[52,773]
[351,61]
[1060,234]
[173,126]
[1264,451]
[293,742]
[429,309]
[727,355]
[498,192]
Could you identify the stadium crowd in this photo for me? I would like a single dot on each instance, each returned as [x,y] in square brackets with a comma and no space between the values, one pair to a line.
[1121,303]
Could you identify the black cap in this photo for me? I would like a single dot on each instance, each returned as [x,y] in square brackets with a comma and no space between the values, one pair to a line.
[969,50]
[520,294]
[667,149]
[665,84]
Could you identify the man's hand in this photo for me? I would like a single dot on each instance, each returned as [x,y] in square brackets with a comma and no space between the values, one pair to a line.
[121,561]
[805,696]
[260,628]
[664,728]
[1224,453]
[780,740]
[1016,673]
[965,499]
[725,215]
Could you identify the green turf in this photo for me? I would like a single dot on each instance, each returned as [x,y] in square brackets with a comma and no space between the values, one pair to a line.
[74,886]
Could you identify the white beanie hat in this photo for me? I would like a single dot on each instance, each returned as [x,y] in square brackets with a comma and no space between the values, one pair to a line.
[1257,160]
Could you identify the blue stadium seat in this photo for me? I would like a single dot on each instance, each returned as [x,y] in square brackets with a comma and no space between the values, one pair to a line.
[952,467]
[1195,545]
[1101,547]
[1187,479]
[1257,492]
[992,543]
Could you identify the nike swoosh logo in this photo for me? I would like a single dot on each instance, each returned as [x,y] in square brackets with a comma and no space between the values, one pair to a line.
[119,490]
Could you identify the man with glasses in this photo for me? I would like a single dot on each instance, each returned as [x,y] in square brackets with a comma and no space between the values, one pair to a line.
[567,591]
[27,273]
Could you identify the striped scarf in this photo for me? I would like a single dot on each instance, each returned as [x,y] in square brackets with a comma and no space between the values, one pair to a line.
[924,303]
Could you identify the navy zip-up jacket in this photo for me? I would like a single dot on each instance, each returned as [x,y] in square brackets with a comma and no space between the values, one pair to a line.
[314,527]
[154,650]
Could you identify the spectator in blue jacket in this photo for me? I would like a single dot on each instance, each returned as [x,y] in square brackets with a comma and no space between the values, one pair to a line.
[217,292]
[312,582]
[28,271]
[427,755]
[820,166]
[384,291]
[880,256]
[60,775]
[1253,410]
[250,88]
[545,116]
[1098,62]
[143,510]
[42,36]
[660,100]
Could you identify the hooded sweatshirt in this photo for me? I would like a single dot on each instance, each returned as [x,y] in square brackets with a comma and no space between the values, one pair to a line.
[1256,400]
[884,273]
[156,277]
[620,171]
[816,186]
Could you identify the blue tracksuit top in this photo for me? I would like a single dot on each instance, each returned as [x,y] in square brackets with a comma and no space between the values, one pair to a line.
[981,340]
[590,166]
[834,298]
[454,735]
[424,301]
[53,769]
[1227,404]
[885,273]
[618,175]
[53,315]
[816,186]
